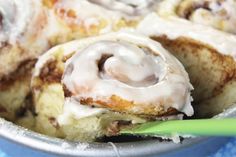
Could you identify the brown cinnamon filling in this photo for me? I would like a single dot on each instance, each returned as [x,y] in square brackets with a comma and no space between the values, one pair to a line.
[187,11]
[102,61]
[50,73]
[23,70]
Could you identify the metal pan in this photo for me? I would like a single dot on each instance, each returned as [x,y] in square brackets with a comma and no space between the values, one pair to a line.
[17,140]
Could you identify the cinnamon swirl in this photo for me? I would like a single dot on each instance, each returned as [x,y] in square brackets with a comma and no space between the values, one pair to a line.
[219,14]
[84,89]
[92,17]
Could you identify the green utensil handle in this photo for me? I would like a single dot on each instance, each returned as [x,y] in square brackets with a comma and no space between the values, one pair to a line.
[203,127]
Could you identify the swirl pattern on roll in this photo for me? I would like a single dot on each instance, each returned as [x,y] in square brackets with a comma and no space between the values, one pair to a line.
[220,14]
[130,74]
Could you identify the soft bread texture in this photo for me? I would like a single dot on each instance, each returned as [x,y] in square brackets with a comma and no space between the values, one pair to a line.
[50,106]
[212,74]
[15,92]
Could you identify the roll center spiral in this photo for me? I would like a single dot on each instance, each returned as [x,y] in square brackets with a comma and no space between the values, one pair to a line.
[113,61]
[137,75]
[219,14]
[218,9]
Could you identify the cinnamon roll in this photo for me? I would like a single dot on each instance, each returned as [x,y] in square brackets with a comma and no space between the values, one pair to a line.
[219,14]
[88,88]
[21,27]
[92,17]
[207,54]
[27,29]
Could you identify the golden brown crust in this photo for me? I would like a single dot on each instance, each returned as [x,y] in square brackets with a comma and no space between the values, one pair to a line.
[118,104]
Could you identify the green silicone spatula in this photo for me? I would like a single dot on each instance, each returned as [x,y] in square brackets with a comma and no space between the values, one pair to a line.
[202,127]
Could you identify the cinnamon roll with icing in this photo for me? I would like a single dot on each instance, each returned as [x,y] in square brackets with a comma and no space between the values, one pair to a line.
[209,56]
[88,88]
[27,29]
[92,17]
[17,20]
[219,14]
[21,40]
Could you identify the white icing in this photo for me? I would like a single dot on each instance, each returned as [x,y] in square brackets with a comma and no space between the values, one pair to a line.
[129,65]
[54,27]
[75,110]
[67,49]
[168,7]
[219,14]
[173,83]
[174,27]
[129,7]
[15,17]
[90,13]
